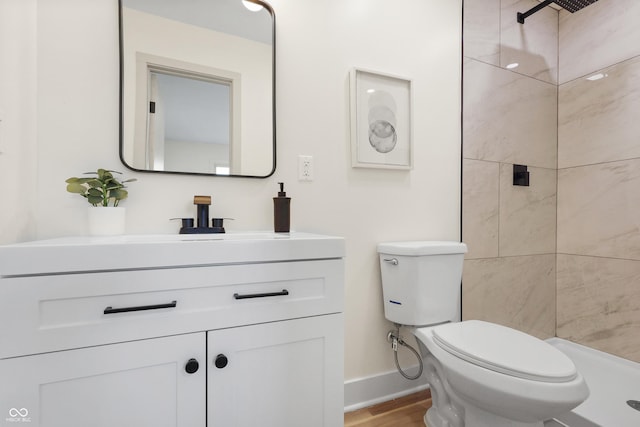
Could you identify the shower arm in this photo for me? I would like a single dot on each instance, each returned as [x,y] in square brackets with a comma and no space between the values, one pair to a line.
[522,16]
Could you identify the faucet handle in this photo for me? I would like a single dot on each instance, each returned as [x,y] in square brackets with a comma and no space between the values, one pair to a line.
[201,200]
[186,222]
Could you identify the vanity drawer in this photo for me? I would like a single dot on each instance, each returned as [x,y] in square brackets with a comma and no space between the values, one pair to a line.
[49,313]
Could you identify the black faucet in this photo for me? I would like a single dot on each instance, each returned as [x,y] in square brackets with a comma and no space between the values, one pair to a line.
[202,226]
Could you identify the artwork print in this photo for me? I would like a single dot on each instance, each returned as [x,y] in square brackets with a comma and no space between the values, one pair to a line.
[380,120]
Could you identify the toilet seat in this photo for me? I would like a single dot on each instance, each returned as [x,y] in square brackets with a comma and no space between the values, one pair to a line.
[504,350]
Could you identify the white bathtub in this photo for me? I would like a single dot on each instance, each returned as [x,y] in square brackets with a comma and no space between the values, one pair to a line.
[612,382]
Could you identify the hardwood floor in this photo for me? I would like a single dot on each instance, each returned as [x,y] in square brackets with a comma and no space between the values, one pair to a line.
[405,411]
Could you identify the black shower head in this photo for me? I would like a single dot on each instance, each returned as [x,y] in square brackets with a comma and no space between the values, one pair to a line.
[570,5]
[573,5]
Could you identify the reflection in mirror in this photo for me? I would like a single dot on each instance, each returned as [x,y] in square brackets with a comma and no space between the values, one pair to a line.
[197,87]
[193,118]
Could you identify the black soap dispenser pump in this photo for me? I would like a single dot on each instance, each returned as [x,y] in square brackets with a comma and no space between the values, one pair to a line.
[281,211]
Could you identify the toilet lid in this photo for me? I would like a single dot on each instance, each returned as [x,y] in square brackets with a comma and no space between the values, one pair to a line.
[505,350]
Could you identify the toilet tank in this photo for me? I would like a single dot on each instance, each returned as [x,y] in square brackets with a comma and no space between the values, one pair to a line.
[421,281]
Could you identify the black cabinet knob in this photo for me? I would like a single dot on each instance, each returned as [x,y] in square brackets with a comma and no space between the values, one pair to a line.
[192,366]
[221,361]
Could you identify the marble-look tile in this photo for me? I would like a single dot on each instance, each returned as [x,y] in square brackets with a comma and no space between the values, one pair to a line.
[598,36]
[599,303]
[527,214]
[480,207]
[598,210]
[508,117]
[518,292]
[598,120]
[481,31]
[532,45]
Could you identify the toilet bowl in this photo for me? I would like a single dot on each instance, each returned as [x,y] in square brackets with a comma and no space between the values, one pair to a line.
[481,374]
[500,375]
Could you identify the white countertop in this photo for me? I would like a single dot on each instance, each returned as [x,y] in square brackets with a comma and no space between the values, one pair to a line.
[87,253]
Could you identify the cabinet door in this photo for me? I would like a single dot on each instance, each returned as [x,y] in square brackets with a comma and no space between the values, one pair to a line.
[137,384]
[281,374]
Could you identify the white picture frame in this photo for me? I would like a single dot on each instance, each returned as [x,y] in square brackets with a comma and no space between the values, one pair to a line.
[381,120]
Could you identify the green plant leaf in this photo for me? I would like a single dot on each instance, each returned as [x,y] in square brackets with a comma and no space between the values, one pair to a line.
[113,186]
[119,194]
[101,188]
[74,187]
[94,200]
[78,180]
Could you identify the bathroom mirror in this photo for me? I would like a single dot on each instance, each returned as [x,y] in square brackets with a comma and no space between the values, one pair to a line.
[197,87]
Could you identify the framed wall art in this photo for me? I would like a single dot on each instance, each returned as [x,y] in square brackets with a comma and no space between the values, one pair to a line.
[381,120]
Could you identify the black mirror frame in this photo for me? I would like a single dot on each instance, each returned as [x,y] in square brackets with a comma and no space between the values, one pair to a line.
[121,100]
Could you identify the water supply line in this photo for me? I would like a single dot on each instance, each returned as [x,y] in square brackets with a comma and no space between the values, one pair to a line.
[394,338]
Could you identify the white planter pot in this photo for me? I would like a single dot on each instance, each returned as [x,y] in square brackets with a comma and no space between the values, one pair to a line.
[106,221]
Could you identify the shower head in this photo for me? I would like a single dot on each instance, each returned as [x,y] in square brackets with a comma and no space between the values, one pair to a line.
[570,5]
[573,5]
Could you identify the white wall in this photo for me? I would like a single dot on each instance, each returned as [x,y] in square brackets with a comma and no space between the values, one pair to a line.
[195,156]
[317,44]
[17,120]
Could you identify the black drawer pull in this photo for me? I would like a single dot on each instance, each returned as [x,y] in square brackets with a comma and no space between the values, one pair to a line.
[268,294]
[111,310]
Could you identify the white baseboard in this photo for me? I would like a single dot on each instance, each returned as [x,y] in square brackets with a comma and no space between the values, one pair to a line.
[363,392]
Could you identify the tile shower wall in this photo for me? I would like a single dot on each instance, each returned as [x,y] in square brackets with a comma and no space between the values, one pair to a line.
[598,263]
[580,134]
[510,116]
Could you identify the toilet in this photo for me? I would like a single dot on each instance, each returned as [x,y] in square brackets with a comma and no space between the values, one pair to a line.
[481,374]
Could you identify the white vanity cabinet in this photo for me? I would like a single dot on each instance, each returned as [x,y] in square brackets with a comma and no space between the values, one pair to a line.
[137,383]
[276,374]
[234,330]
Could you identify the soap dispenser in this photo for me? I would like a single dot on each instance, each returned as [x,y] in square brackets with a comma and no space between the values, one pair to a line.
[281,211]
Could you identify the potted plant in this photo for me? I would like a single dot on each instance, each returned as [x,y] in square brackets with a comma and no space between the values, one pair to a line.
[102,189]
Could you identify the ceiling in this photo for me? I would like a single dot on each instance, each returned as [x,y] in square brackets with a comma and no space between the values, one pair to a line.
[227,16]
